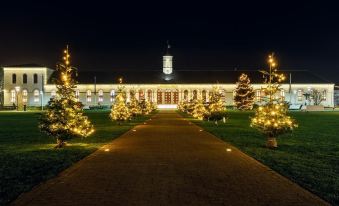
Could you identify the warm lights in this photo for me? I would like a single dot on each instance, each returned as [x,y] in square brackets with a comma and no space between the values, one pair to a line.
[120,111]
[244,93]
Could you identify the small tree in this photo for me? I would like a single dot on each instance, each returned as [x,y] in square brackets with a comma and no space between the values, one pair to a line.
[134,107]
[244,94]
[64,117]
[271,118]
[145,106]
[119,111]
[215,102]
[316,96]
[199,110]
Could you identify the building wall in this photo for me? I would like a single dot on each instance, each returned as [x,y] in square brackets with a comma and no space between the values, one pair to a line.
[296,96]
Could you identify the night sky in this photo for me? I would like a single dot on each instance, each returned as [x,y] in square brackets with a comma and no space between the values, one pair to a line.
[111,36]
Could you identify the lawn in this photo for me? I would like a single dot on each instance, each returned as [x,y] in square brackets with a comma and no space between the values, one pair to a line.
[28,158]
[309,156]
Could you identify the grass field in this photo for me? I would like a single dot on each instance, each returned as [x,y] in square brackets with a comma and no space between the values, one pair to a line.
[28,158]
[309,156]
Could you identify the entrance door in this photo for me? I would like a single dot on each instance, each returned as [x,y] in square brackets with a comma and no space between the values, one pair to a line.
[168,97]
[159,97]
[176,97]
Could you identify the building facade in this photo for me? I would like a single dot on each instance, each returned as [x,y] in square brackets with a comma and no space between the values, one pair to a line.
[31,85]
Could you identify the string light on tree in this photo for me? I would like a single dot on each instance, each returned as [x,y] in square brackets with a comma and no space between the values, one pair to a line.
[120,111]
[244,93]
[199,110]
[271,118]
[64,117]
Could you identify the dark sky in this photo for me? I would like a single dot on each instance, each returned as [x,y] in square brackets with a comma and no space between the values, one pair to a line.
[108,36]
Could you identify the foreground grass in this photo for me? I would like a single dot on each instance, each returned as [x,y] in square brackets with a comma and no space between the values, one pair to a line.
[28,158]
[309,156]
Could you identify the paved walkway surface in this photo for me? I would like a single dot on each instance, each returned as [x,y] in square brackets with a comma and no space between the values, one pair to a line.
[168,161]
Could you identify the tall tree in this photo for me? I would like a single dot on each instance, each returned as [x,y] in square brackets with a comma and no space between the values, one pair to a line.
[120,111]
[244,93]
[64,118]
[271,118]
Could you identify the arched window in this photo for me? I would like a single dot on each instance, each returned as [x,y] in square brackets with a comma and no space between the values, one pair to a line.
[132,93]
[77,95]
[112,95]
[258,95]
[324,95]
[24,95]
[159,97]
[149,95]
[185,95]
[101,95]
[35,78]
[89,96]
[195,94]
[282,94]
[36,95]
[24,78]
[203,94]
[141,94]
[13,96]
[13,78]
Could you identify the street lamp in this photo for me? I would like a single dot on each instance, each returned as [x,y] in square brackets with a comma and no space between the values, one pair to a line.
[17,89]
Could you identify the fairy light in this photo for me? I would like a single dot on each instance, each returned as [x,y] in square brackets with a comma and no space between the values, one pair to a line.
[244,93]
[120,111]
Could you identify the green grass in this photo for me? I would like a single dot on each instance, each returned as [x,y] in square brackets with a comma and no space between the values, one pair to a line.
[28,158]
[309,156]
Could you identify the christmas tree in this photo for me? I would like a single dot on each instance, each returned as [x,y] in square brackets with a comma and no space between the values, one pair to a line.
[145,106]
[215,102]
[64,117]
[199,110]
[271,119]
[120,111]
[244,94]
[134,107]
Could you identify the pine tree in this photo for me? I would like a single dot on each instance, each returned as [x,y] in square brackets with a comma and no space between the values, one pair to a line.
[244,94]
[145,106]
[215,101]
[64,117]
[199,110]
[134,107]
[271,119]
[120,111]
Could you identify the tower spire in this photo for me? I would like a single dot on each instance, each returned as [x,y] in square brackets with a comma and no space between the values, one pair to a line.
[167,61]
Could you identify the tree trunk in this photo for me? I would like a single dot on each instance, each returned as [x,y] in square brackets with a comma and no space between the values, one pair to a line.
[271,143]
[60,143]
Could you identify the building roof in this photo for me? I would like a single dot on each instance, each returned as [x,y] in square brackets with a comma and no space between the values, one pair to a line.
[190,77]
[30,65]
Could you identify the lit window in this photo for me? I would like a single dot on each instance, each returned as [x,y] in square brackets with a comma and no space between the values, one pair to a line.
[13,96]
[141,94]
[186,95]
[13,78]
[35,78]
[195,94]
[324,95]
[77,94]
[24,78]
[204,95]
[36,95]
[89,94]
[258,95]
[101,95]
[53,93]
[24,95]
[282,95]
[149,95]
[112,94]
[300,95]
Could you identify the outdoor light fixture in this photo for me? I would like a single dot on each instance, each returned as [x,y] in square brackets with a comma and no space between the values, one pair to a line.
[201,130]
[228,150]
[107,150]
[134,130]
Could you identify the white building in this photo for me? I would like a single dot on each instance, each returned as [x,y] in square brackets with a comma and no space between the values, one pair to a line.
[32,85]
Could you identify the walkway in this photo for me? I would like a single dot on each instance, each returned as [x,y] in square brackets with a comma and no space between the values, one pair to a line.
[168,161]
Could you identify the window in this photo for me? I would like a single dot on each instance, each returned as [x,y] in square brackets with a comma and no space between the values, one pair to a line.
[324,95]
[13,78]
[24,95]
[36,95]
[77,95]
[299,95]
[13,96]
[282,95]
[35,78]
[101,95]
[89,94]
[24,78]
[185,95]
[203,93]
[149,95]
[141,94]
[112,94]
[53,93]
[195,94]
[258,95]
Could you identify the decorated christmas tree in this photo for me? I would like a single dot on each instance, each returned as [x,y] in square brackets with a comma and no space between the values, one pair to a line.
[64,117]
[145,106]
[120,111]
[271,118]
[244,94]
[199,110]
[215,101]
[134,107]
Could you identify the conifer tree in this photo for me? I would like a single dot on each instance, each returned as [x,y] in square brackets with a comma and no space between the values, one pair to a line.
[134,107]
[271,118]
[120,111]
[64,117]
[145,106]
[215,101]
[244,94]
[199,110]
